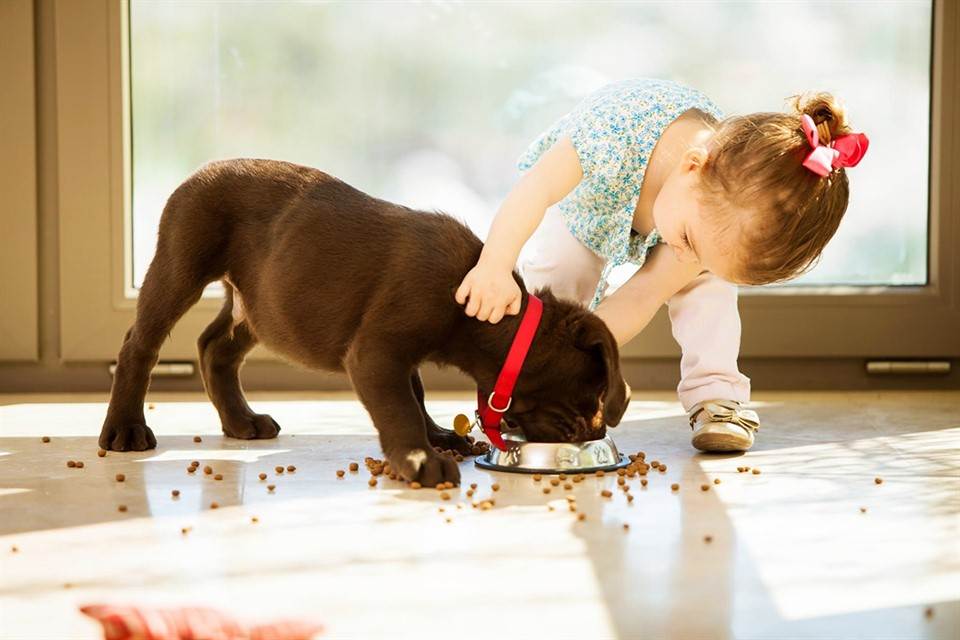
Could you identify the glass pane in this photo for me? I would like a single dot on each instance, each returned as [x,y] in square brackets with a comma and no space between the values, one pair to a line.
[430,104]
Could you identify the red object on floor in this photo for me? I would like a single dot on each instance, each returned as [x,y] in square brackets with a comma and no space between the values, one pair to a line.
[125,622]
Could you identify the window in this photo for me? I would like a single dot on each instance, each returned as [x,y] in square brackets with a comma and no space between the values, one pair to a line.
[430,104]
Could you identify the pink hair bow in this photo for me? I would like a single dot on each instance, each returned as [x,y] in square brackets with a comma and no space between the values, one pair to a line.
[845,151]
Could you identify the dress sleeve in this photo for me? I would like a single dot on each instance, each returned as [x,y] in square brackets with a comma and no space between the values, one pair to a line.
[600,134]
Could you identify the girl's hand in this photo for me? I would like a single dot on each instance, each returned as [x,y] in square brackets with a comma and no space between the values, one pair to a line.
[491,292]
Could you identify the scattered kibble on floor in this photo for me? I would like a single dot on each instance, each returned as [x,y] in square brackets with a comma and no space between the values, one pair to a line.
[197,439]
[704,487]
[175,493]
[101,453]
[878,480]
[120,477]
[45,439]
[675,487]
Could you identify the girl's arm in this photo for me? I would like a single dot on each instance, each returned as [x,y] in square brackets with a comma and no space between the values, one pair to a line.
[490,286]
[629,309]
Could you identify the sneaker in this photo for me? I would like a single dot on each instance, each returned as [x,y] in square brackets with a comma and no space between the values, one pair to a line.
[723,426]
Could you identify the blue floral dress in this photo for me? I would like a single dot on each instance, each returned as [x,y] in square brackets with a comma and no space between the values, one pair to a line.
[614,131]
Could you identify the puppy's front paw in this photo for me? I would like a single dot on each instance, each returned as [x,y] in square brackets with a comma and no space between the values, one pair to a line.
[126,437]
[425,466]
[447,439]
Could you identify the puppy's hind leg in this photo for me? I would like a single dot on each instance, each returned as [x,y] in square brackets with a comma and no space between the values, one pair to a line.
[189,256]
[222,347]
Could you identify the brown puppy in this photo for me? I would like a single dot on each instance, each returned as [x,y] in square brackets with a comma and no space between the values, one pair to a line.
[334,279]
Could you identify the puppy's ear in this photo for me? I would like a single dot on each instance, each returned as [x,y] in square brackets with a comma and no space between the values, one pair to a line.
[594,336]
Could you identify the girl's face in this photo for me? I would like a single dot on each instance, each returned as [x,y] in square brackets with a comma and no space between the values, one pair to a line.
[686,227]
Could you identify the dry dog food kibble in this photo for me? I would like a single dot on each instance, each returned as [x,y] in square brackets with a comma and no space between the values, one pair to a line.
[716,481]
[254,519]
[340,474]
[291,468]
[353,466]
[271,487]
[444,495]
[120,477]
[278,469]
[600,473]
[554,482]
[606,493]
[756,471]
[562,476]
[469,493]
[704,487]
[175,493]
[79,464]
[629,497]
[45,439]
[71,464]
[372,482]
[708,539]
[567,486]
[581,517]
[473,485]
[208,469]
[122,508]
[878,480]
[495,487]
[101,453]
[675,487]
[415,485]
[863,509]
[214,505]
[184,530]
[219,476]
[546,489]
[537,477]
[191,469]
[263,476]
[197,439]
[621,481]
[643,482]
[626,527]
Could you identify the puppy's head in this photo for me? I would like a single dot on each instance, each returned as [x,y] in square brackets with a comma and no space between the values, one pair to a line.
[570,388]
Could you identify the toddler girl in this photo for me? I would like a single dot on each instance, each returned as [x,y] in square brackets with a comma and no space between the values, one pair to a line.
[642,163]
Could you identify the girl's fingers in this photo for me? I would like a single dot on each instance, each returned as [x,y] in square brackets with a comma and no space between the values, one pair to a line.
[463,292]
[514,307]
[474,305]
[485,310]
[496,316]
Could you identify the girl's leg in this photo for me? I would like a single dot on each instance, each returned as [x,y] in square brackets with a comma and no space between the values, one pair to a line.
[554,257]
[706,323]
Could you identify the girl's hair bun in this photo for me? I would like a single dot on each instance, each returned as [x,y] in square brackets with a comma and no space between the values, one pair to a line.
[827,113]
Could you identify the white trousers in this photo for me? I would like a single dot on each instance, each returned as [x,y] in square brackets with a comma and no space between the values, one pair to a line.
[703,315]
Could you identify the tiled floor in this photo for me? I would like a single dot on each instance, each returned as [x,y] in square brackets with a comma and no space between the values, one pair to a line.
[792,554]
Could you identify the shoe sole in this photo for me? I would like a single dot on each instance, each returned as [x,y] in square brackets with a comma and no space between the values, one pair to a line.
[720,443]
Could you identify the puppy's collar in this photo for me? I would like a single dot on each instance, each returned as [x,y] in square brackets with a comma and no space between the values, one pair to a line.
[491,409]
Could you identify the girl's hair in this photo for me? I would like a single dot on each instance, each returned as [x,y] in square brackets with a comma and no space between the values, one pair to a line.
[755,163]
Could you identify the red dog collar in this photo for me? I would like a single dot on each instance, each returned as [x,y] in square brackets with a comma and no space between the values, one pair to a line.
[491,409]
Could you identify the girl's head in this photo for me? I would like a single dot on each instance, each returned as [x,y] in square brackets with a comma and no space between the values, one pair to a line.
[752,213]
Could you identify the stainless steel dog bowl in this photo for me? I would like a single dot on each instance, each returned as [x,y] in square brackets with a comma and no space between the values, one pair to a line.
[552,457]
